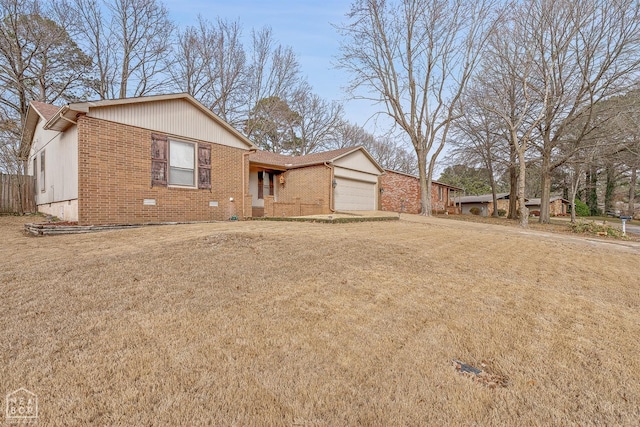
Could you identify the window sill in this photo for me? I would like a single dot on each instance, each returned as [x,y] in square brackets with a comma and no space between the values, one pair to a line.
[182,187]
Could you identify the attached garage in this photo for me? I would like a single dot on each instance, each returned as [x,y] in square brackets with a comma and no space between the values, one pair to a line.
[352,195]
[345,179]
[355,179]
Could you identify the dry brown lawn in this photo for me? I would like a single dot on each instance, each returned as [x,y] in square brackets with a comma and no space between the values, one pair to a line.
[272,323]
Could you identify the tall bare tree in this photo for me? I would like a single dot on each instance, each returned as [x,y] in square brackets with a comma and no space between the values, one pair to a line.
[210,64]
[586,52]
[319,120]
[509,92]
[130,42]
[478,139]
[39,61]
[273,71]
[415,57]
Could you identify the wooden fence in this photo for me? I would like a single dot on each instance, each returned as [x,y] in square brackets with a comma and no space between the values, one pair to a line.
[17,194]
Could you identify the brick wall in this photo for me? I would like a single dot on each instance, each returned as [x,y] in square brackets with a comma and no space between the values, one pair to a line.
[308,186]
[114,177]
[401,193]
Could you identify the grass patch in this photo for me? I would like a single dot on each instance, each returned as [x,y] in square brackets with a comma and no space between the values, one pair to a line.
[287,323]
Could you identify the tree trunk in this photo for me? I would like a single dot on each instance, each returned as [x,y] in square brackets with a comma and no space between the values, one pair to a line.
[575,182]
[522,208]
[545,193]
[610,187]
[632,190]
[492,182]
[591,190]
[425,195]
[513,183]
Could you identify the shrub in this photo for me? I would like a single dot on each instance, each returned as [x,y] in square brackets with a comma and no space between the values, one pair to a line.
[474,211]
[502,212]
[582,209]
[591,227]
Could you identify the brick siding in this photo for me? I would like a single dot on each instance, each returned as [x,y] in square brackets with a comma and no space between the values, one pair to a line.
[402,194]
[306,191]
[114,177]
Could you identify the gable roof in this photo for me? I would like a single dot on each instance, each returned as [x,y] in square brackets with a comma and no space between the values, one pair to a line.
[61,118]
[46,111]
[36,111]
[483,198]
[284,162]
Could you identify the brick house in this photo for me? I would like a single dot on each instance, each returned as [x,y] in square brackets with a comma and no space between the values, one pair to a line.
[137,160]
[339,180]
[484,204]
[557,206]
[400,192]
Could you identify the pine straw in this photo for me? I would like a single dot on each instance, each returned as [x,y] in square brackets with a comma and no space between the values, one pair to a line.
[258,323]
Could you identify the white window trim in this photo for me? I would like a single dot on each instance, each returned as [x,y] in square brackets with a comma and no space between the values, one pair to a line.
[195,165]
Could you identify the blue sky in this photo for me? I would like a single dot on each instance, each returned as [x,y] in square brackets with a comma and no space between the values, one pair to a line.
[303,25]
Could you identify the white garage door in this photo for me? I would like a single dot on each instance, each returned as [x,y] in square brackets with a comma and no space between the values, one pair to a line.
[352,195]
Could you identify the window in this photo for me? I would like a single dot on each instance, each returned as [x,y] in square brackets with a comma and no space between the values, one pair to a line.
[182,163]
[175,163]
[34,173]
[439,193]
[42,183]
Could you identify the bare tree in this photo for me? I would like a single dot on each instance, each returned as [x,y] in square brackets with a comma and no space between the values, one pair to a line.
[210,64]
[38,61]
[508,94]
[478,139]
[415,58]
[319,120]
[130,41]
[586,51]
[273,71]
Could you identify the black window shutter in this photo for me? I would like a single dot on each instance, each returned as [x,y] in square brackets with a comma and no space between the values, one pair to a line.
[204,166]
[159,154]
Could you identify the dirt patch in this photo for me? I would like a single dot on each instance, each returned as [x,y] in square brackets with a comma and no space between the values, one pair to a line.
[271,323]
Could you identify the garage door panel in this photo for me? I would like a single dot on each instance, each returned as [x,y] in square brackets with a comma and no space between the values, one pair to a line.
[352,195]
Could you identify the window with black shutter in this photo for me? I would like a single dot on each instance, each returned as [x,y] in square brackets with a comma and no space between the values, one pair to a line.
[260,185]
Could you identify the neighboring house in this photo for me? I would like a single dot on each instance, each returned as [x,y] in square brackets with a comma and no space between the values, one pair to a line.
[557,206]
[400,192]
[484,204]
[339,180]
[136,160]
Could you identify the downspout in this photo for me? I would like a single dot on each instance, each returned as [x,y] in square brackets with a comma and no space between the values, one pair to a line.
[331,201]
[245,156]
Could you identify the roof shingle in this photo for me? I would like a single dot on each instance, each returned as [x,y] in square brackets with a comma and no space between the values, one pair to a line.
[45,110]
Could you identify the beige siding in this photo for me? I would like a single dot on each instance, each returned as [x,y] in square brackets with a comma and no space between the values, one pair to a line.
[357,161]
[354,174]
[61,165]
[176,117]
